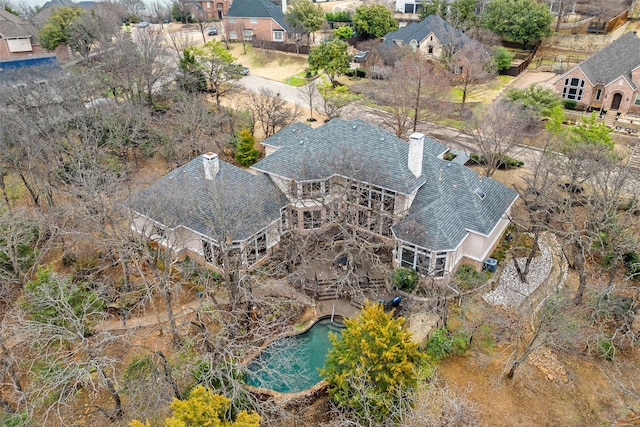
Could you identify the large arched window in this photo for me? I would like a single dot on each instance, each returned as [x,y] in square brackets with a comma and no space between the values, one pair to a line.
[573,88]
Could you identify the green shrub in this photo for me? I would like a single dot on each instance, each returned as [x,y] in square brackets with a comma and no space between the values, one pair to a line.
[350,72]
[469,278]
[246,153]
[404,279]
[360,73]
[340,16]
[504,162]
[607,349]
[569,104]
[449,156]
[442,343]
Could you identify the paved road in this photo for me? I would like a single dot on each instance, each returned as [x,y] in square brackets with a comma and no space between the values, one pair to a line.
[452,138]
[288,93]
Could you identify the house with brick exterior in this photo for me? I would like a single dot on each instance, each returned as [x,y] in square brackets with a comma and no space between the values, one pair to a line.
[18,38]
[433,37]
[435,213]
[248,20]
[209,10]
[608,80]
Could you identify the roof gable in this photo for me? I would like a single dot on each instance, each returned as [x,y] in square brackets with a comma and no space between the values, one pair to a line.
[257,9]
[447,207]
[354,149]
[235,205]
[446,34]
[617,59]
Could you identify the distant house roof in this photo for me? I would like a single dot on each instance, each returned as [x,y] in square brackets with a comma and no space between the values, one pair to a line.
[12,26]
[236,204]
[455,201]
[257,9]
[447,35]
[617,59]
[354,149]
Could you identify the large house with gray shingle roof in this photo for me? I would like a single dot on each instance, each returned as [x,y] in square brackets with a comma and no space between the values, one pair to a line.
[433,37]
[248,20]
[435,212]
[608,80]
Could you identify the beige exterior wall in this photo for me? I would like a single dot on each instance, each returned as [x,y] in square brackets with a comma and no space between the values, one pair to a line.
[478,247]
[431,40]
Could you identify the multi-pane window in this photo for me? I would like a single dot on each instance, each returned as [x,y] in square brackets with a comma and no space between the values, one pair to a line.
[373,197]
[312,189]
[573,88]
[247,34]
[256,249]
[312,219]
[253,20]
[207,251]
[421,261]
[441,264]
[278,36]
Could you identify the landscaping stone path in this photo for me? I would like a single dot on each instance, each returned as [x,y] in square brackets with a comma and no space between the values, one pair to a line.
[547,274]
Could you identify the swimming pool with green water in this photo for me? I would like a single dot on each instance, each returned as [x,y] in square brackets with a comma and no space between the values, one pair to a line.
[290,364]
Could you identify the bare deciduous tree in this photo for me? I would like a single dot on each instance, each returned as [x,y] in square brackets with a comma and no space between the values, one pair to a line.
[471,67]
[270,111]
[498,133]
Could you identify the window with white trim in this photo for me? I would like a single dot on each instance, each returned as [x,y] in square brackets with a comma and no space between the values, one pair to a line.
[247,34]
[253,20]
[278,35]
[233,35]
[637,101]
[311,219]
[573,88]
[232,20]
[256,249]
[415,259]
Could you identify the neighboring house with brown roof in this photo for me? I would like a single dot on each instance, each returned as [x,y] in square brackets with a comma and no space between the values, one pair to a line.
[18,38]
[435,213]
[248,20]
[608,80]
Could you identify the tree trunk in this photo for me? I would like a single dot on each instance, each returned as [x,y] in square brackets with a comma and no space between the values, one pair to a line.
[582,285]
[166,293]
[4,191]
[167,374]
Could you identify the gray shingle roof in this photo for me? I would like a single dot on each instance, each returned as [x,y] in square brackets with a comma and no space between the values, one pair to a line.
[257,9]
[617,59]
[446,34]
[446,208]
[236,204]
[354,149]
[287,135]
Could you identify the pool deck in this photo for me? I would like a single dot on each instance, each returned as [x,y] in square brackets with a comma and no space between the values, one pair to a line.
[342,308]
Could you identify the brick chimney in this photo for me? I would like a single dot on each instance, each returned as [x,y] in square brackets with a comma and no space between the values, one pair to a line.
[211,165]
[416,148]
